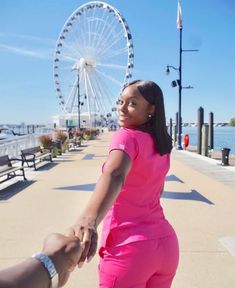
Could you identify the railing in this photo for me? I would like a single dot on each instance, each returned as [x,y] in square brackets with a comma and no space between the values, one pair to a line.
[12,147]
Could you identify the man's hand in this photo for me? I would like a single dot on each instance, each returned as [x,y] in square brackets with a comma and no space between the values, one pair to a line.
[65,253]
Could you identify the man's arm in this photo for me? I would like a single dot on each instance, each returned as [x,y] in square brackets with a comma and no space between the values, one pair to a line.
[64,253]
[29,273]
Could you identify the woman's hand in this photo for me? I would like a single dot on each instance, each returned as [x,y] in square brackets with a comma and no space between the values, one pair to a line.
[86,231]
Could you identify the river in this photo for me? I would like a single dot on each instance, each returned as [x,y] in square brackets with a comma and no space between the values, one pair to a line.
[224,137]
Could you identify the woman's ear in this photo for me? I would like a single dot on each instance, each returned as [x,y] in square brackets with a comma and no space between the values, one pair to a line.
[152,109]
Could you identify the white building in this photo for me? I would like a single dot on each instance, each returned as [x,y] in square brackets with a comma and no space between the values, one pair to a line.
[86,120]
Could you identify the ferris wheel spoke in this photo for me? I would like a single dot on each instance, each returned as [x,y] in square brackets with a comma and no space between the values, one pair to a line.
[108,92]
[72,52]
[87,93]
[106,39]
[102,23]
[84,32]
[101,91]
[80,44]
[97,88]
[110,45]
[71,95]
[89,29]
[116,53]
[109,77]
[68,58]
[102,37]
[97,30]
[103,97]
[115,66]
[78,29]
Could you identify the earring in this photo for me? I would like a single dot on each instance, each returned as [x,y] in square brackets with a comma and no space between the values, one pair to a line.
[150,116]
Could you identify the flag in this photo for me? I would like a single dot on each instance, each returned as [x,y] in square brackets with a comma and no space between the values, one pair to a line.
[179,16]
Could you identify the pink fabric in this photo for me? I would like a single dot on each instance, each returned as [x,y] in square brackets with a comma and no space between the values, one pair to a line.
[143,264]
[137,213]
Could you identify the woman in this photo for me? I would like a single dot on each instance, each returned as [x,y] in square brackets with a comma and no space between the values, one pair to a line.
[139,248]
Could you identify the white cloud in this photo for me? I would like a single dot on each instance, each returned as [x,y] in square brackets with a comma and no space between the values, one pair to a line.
[21,51]
[44,41]
[37,47]
[27,52]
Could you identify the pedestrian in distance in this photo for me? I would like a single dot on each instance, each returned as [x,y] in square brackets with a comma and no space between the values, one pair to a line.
[139,247]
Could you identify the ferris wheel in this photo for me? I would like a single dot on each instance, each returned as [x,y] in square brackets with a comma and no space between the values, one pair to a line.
[94,58]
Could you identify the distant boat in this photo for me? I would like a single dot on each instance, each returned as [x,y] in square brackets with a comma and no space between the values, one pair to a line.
[6,133]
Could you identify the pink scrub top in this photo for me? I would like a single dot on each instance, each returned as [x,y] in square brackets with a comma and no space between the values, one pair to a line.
[137,214]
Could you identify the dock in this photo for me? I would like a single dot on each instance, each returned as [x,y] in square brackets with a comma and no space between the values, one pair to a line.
[199,201]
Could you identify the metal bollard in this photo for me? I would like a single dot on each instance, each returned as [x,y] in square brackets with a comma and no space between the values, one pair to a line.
[225,156]
[204,143]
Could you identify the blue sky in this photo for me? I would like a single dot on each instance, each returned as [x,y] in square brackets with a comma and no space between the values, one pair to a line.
[29,30]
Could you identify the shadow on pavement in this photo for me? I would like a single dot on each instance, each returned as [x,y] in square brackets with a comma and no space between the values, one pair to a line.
[12,190]
[193,195]
[88,157]
[46,166]
[84,187]
[58,160]
[173,178]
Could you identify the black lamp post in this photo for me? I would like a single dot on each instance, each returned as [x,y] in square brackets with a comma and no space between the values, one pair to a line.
[178,82]
[174,84]
[78,96]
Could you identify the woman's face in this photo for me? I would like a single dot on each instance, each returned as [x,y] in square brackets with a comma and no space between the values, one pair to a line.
[133,109]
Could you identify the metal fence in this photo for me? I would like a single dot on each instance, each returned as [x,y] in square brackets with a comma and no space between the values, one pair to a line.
[12,147]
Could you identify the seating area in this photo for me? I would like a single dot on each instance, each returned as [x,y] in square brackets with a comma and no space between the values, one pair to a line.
[35,155]
[8,170]
[74,143]
[48,147]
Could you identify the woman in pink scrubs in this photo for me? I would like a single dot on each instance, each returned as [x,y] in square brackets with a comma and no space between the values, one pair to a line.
[139,248]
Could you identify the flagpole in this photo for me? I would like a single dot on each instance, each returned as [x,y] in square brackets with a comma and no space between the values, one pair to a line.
[179,128]
[180,27]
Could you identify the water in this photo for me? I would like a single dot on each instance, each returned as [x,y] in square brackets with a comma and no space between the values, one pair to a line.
[28,129]
[224,137]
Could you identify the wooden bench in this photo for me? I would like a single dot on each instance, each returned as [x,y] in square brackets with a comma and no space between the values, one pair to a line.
[7,169]
[75,143]
[35,155]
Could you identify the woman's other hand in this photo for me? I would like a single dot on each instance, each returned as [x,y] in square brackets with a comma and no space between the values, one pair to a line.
[86,231]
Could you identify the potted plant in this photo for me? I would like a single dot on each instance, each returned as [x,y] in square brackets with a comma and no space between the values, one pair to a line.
[46,141]
[61,137]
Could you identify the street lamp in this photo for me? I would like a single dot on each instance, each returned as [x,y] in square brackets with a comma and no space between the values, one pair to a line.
[178,82]
[168,69]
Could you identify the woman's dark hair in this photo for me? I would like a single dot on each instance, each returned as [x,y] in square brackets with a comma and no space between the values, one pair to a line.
[156,126]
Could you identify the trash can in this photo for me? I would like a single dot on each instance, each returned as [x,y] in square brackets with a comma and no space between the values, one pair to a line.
[225,156]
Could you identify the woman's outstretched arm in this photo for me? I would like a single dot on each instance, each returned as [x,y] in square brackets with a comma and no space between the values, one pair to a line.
[107,189]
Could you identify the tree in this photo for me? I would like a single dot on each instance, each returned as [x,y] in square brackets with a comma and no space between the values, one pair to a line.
[232,122]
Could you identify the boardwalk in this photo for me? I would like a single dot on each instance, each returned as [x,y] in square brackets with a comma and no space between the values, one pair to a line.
[198,200]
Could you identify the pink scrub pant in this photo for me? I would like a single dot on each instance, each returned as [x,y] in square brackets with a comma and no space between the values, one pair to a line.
[143,264]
